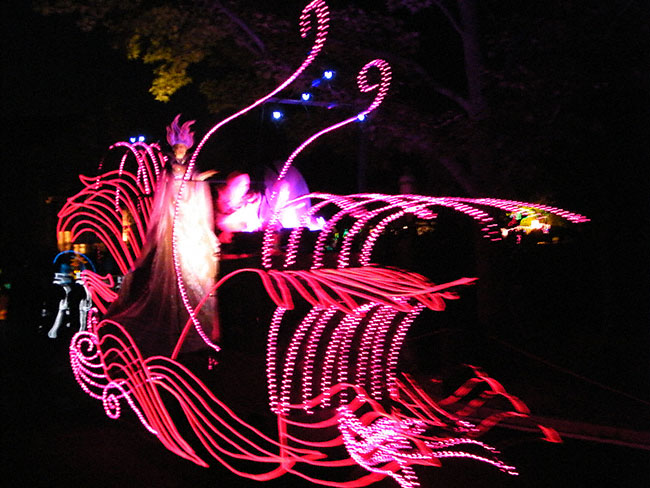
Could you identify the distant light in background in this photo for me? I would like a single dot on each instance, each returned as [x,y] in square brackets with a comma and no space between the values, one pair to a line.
[277,115]
[328,74]
[306,96]
[361,117]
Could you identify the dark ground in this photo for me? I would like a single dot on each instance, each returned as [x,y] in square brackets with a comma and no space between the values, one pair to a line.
[585,377]
[53,435]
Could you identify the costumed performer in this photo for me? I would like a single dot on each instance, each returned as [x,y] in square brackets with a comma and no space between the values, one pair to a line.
[149,305]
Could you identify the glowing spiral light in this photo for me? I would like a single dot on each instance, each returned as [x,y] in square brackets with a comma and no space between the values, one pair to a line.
[382,89]
[321,12]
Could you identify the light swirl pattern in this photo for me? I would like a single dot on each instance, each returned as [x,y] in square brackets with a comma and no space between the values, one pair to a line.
[317,8]
[115,205]
[353,410]
[372,213]
[364,86]
[100,288]
[385,441]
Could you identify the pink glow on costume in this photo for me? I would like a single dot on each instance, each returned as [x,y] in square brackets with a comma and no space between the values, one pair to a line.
[237,209]
[284,202]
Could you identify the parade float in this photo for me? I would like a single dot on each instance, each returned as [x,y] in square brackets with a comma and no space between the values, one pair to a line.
[334,386]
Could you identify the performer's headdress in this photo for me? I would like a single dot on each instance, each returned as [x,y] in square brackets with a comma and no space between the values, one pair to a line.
[180,134]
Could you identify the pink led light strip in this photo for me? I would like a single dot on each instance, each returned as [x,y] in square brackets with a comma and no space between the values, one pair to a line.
[358,207]
[92,211]
[226,438]
[513,206]
[149,163]
[369,307]
[272,354]
[329,291]
[314,339]
[311,331]
[108,366]
[292,356]
[321,12]
[100,287]
[363,368]
[337,353]
[378,354]
[393,204]
[364,87]
[362,80]
[396,346]
[365,207]
[270,232]
[348,207]
[98,208]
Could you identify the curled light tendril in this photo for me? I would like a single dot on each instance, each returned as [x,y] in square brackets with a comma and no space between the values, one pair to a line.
[362,82]
[340,361]
[321,11]
[381,87]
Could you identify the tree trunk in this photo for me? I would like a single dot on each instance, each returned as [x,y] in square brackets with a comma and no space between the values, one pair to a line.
[473,58]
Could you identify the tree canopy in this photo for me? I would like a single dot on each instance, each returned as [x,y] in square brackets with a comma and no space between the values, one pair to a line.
[488,97]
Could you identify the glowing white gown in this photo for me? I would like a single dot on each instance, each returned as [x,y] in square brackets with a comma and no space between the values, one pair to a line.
[150,305]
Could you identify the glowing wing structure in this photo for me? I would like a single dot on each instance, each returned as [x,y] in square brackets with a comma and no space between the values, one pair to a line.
[115,206]
[332,373]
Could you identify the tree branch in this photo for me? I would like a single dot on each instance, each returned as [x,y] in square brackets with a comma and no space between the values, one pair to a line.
[447,13]
[417,68]
[261,48]
[459,174]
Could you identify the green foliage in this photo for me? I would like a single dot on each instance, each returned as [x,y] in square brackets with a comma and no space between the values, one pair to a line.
[90,13]
[172,39]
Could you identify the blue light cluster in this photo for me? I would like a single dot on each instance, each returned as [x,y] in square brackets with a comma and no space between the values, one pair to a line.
[306,96]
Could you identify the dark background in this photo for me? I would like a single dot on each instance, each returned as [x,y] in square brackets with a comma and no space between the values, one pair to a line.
[572,329]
